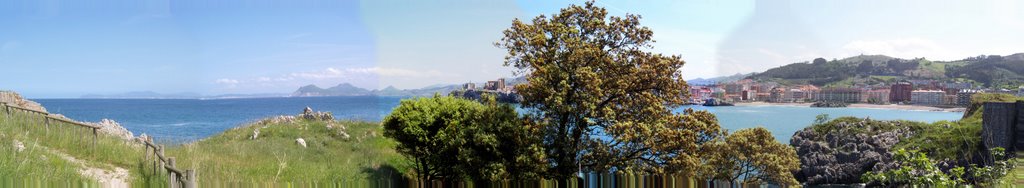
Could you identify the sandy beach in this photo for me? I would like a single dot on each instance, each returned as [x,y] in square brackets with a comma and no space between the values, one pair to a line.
[858,105]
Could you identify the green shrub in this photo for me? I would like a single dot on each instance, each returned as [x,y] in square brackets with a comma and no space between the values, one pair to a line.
[454,139]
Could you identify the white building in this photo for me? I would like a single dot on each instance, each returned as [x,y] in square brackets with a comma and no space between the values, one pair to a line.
[927,97]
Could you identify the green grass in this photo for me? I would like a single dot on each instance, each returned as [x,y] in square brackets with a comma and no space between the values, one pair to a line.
[940,140]
[885,79]
[946,140]
[275,157]
[1015,176]
[955,139]
[47,142]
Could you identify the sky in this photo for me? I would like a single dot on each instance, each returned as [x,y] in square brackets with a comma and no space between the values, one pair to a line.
[65,49]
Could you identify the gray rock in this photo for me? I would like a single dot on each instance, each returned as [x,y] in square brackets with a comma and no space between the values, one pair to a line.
[18,146]
[308,114]
[111,127]
[301,142]
[255,134]
[840,156]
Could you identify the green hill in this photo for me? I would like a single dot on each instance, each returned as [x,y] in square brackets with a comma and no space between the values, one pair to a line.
[335,151]
[995,71]
[345,152]
[990,71]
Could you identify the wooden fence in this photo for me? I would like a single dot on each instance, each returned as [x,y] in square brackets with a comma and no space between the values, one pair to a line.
[177,177]
[47,119]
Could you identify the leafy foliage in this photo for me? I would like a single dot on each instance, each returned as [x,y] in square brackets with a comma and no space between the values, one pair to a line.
[452,138]
[752,155]
[601,100]
[914,168]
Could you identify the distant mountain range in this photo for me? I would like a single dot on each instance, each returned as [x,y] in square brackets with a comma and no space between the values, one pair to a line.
[155,95]
[346,89]
[715,80]
[990,71]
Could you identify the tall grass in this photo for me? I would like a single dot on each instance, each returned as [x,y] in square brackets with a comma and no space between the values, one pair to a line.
[103,151]
[275,157]
[36,161]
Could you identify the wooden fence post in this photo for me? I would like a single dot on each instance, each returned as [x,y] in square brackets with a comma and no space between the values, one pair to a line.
[173,178]
[146,150]
[190,178]
[95,136]
[47,118]
[159,157]
[44,117]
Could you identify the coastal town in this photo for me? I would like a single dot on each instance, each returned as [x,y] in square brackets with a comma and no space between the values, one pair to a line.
[908,92]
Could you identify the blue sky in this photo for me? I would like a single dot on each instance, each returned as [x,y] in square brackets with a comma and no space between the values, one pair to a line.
[54,49]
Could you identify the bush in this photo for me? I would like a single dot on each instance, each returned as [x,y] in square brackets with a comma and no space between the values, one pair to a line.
[915,168]
[753,155]
[454,139]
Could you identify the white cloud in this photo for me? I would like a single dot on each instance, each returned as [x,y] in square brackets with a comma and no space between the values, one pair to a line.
[226,81]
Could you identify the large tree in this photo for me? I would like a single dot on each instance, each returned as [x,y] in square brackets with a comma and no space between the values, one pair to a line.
[602,100]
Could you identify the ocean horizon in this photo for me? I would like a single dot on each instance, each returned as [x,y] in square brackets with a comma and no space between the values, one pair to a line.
[186,120]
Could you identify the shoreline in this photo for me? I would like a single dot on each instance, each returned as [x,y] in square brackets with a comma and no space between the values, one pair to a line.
[860,105]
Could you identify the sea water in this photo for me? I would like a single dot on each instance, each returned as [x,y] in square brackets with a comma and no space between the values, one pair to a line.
[182,120]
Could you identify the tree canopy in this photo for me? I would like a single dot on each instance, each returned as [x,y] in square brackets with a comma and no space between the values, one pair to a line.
[602,101]
[753,155]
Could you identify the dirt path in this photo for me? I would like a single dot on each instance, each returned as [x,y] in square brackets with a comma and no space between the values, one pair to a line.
[107,178]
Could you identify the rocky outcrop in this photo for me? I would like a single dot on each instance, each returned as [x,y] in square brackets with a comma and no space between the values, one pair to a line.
[107,126]
[824,104]
[15,99]
[111,127]
[840,152]
[309,114]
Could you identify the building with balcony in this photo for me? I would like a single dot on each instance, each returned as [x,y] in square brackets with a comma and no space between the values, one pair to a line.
[963,97]
[846,95]
[927,97]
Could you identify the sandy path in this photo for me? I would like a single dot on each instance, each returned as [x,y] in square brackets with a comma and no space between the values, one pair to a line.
[107,178]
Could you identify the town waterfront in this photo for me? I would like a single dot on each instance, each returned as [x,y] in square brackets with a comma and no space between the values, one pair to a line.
[174,120]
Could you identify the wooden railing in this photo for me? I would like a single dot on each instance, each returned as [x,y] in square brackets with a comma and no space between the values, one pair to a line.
[47,119]
[177,177]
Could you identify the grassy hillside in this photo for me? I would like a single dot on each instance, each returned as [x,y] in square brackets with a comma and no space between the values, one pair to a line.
[338,151]
[991,71]
[60,152]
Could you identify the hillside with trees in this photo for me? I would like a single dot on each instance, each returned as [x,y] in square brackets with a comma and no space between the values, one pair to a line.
[989,71]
